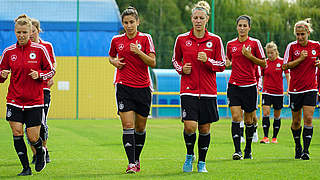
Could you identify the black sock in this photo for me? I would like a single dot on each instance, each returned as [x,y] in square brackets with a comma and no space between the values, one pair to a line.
[276,127]
[241,131]
[266,125]
[21,150]
[38,146]
[203,146]
[307,136]
[129,144]
[190,140]
[139,138]
[235,131]
[296,136]
[249,135]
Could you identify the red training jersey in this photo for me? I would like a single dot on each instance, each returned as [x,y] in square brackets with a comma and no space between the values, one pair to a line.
[243,69]
[135,72]
[50,50]
[303,76]
[23,91]
[202,79]
[273,77]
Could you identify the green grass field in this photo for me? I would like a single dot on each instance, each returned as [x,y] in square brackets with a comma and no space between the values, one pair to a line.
[92,149]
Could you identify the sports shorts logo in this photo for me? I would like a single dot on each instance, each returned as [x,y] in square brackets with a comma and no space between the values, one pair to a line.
[32,55]
[297,52]
[209,44]
[184,113]
[313,52]
[234,49]
[188,43]
[121,105]
[13,57]
[120,47]
[9,113]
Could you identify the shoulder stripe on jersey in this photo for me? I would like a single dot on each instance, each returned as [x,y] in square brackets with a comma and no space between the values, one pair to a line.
[152,49]
[7,49]
[223,55]
[259,46]
[50,44]
[286,54]
[174,62]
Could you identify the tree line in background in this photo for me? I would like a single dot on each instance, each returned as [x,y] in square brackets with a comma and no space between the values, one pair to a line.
[272,20]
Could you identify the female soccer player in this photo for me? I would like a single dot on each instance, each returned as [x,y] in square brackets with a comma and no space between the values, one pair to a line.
[29,64]
[197,56]
[36,29]
[301,58]
[132,53]
[245,53]
[272,93]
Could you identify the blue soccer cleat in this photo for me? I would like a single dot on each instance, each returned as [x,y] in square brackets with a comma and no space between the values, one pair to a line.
[187,166]
[202,167]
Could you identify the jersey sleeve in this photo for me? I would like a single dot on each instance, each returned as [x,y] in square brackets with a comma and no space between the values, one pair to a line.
[113,50]
[177,56]
[259,52]
[149,45]
[4,64]
[228,52]
[217,63]
[47,70]
[287,54]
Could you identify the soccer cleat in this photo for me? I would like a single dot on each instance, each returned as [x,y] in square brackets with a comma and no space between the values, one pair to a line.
[202,167]
[298,152]
[40,160]
[265,140]
[187,166]
[305,156]
[47,156]
[247,155]
[25,172]
[255,137]
[33,159]
[132,168]
[138,166]
[237,156]
[274,140]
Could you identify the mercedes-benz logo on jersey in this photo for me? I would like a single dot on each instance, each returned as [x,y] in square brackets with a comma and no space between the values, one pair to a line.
[188,43]
[313,52]
[278,65]
[121,105]
[297,52]
[9,113]
[13,57]
[120,47]
[32,55]
[209,44]
[234,49]
[139,46]
[184,113]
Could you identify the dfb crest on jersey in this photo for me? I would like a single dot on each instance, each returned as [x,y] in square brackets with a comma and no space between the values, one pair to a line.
[32,55]
[313,52]
[184,113]
[297,52]
[9,113]
[188,43]
[120,47]
[234,49]
[278,65]
[121,105]
[13,57]
[139,46]
[209,44]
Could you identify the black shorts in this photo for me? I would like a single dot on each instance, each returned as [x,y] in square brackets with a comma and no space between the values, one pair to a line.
[302,99]
[133,99]
[246,97]
[275,101]
[29,116]
[203,110]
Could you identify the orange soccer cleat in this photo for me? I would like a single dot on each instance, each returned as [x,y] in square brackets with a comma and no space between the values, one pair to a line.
[265,140]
